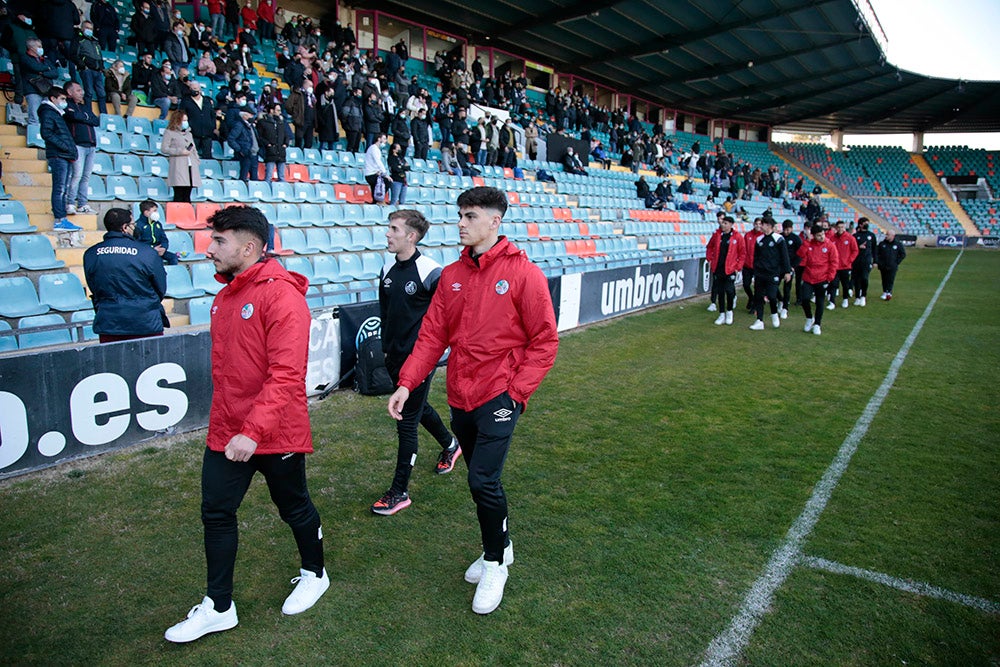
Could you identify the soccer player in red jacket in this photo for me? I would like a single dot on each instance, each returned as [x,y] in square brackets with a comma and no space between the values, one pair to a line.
[847,252]
[725,252]
[819,262]
[493,308]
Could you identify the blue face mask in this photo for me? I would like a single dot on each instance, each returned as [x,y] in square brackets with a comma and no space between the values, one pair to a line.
[185,125]
[88,33]
[63,105]
[40,51]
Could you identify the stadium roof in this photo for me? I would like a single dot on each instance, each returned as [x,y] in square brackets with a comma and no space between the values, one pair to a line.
[797,65]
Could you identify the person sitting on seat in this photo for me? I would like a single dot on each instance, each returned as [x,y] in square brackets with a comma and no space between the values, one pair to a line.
[571,163]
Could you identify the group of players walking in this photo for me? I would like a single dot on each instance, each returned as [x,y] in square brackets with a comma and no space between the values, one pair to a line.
[822,263]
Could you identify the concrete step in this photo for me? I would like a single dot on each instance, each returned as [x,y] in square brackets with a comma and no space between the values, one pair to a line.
[178,321]
[28,192]
[44,221]
[9,131]
[29,179]
[38,206]
[22,152]
[33,166]
[72,256]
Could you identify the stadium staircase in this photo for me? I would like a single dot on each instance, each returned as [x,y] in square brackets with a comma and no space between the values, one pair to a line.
[831,187]
[935,182]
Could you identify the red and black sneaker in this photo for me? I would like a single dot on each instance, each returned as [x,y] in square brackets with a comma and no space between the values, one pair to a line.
[391,503]
[448,457]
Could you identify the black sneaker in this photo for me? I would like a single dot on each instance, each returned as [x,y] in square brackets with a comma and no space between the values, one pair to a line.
[446,462]
[391,503]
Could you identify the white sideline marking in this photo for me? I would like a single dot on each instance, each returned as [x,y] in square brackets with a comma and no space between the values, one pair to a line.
[915,587]
[729,644]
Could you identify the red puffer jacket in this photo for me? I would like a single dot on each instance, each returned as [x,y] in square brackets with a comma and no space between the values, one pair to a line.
[734,258]
[820,261]
[498,318]
[847,250]
[260,348]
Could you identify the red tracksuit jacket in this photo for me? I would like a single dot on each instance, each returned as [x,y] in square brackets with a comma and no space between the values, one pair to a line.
[498,318]
[750,241]
[847,250]
[734,259]
[820,261]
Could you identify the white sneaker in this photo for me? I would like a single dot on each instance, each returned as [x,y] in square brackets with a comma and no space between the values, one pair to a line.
[757,326]
[816,330]
[857,302]
[830,306]
[489,591]
[850,292]
[809,325]
[85,209]
[775,321]
[475,572]
[843,304]
[729,317]
[70,209]
[864,301]
[784,313]
[721,319]
[884,294]
[201,620]
[309,588]
[712,308]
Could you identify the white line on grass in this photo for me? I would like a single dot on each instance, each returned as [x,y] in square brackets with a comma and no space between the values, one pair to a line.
[729,644]
[916,587]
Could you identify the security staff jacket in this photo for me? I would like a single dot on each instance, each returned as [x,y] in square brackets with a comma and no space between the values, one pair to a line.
[127,282]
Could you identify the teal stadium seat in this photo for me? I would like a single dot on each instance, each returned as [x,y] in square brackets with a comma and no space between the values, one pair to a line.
[200,310]
[203,277]
[62,291]
[86,331]
[14,218]
[7,343]
[6,266]
[34,252]
[27,339]
[179,283]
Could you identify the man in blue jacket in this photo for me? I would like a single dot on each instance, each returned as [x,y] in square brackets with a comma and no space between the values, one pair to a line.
[60,151]
[243,140]
[82,124]
[127,282]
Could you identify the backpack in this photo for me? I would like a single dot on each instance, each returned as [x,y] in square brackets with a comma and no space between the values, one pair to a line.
[370,375]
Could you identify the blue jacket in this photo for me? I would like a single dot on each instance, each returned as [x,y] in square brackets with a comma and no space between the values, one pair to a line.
[241,139]
[58,141]
[127,282]
[151,233]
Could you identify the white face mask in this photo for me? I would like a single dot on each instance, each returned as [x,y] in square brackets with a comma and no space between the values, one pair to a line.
[40,51]
[121,70]
[154,215]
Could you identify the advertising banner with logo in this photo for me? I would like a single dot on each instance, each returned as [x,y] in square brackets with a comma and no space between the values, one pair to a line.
[982,241]
[605,294]
[950,241]
[357,322]
[908,240]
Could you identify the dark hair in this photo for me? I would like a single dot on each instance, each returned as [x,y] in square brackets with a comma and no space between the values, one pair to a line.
[146,205]
[787,224]
[817,227]
[116,218]
[241,219]
[729,219]
[484,197]
[56,91]
[415,220]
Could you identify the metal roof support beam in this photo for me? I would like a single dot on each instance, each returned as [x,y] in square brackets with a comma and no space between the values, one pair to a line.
[843,106]
[579,10]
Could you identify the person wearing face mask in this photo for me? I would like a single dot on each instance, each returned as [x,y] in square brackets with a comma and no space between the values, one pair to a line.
[143,27]
[301,106]
[106,22]
[90,65]
[216,17]
[327,123]
[165,91]
[176,47]
[200,111]
[265,20]
[184,165]
[353,118]
[19,30]
[82,124]
[245,58]
[273,141]
[420,132]
[149,230]
[39,75]
[118,87]
[60,152]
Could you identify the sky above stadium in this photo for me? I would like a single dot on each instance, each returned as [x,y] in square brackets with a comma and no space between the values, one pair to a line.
[954,39]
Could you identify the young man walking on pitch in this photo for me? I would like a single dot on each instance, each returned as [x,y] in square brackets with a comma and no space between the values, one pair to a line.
[889,255]
[495,311]
[862,266]
[259,421]
[819,263]
[794,242]
[749,242]
[847,252]
[770,266]
[405,290]
[724,253]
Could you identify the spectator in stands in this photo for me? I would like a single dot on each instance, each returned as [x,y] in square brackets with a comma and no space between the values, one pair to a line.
[143,26]
[118,87]
[847,252]
[327,122]
[90,66]
[39,77]
[770,265]
[56,25]
[665,191]
[401,129]
[573,165]
[373,118]
[165,90]
[200,112]
[793,242]
[245,144]
[531,139]
[724,253]
[127,282]
[397,172]
[813,210]
[862,266]
[244,59]
[375,168]
[686,187]
[420,132]
[449,163]
[60,152]
[353,119]
[819,264]
[260,345]
[504,345]
[405,290]
[597,151]
[249,16]
[265,20]
[184,166]
[82,124]
[176,47]
[14,37]
[216,17]
[273,141]
[889,254]
[106,24]
[301,106]
[232,13]
[149,230]
[508,145]
[641,188]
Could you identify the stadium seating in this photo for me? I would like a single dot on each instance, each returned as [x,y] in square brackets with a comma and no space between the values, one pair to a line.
[7,343]
[179,283]
[35,252]
[27,339]
[63,292]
